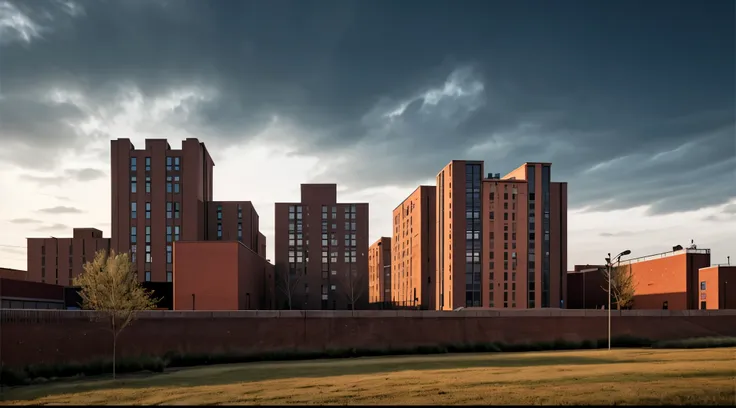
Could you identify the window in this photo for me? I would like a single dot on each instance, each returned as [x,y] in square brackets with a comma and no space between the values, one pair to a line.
[219,231]
[176,184]
[177,162]
[148,164]
[169,208]
[148,253]
[133,236]
[240,232]
[168,233]
[148,184]
[169,189]
[148,234]
[176,209]
[169,254]
[134,210]
[133,184]
[176,233]
[169,276]
[219,212]
[168,163]
[702,285]
[148,276]
[148,210]
[240,212]
[133,250]
[133,164]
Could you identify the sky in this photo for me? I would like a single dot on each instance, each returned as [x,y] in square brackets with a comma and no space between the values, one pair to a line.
[632,101]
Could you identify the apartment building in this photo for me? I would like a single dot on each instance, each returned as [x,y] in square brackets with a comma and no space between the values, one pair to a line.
[414,241]
[379,271]
[235,221]
[321,251]
[502,257]
[59,260]
[160,195]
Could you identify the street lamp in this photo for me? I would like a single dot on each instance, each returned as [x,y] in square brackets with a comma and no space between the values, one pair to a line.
[609,265]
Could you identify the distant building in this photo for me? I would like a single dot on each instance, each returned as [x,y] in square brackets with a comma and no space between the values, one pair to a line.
[18,294]
[162,195]
[506,246]
[321,251]
[221,275]
[159,196]
[379,271]
[413,281]
[585,287]
[15,274]
[668,280]
[234,220]
[717,287]
[59,260]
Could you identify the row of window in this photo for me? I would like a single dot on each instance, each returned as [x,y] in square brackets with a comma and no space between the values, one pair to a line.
[172,184]
[173,209]
[172,163]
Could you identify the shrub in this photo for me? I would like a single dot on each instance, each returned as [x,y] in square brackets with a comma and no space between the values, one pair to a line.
[700,342]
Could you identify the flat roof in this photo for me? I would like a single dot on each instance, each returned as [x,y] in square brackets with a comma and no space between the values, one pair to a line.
[667,255]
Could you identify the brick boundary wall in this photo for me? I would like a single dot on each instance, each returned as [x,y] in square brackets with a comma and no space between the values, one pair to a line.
[48,336]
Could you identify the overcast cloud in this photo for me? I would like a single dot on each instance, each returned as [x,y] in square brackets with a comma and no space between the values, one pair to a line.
[632,101]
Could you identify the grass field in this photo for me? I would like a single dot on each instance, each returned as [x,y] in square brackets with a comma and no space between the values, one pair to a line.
[649,376]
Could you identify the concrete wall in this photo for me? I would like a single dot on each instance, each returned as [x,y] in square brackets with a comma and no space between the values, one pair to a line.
[53,336]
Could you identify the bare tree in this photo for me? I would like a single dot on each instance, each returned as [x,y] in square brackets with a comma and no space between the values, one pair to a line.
[622,285]
[109,285]
[351,285]
[287,283]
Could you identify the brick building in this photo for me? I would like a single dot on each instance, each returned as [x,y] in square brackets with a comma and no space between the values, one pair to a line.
[20,294]
[379,271]
[221,275]
[668,279]
[413,268]
[321,251]
[234,220]
[502,257]
[15,274]
[59,260]
[159,196]
[715,291]
[162,195]
[585,287]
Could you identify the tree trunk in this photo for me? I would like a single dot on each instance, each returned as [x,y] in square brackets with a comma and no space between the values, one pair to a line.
[114,347]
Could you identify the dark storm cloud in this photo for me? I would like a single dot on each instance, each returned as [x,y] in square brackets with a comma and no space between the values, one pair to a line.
[52,228]
[25,221]
[61,210]
[81,175]
[577,83]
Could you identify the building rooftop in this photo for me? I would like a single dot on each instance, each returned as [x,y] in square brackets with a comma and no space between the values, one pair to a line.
[666,255]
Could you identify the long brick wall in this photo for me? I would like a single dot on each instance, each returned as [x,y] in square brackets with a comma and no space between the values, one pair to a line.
[35,336]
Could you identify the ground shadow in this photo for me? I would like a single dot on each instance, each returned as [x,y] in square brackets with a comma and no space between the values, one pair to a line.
[252,372]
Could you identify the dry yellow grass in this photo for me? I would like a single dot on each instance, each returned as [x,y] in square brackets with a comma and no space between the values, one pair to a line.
[577,377]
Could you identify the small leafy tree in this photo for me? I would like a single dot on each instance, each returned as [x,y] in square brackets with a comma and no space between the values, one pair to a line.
[351,284]
[287,283]
[623,288]
[109,285]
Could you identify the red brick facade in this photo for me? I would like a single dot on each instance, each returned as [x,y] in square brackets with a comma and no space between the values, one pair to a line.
[221,275]
[58,260]
[52,337]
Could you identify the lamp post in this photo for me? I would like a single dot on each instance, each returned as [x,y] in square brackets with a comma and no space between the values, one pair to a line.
[609,265]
